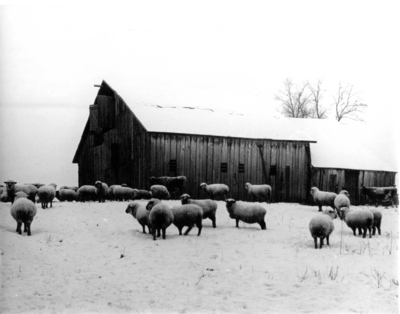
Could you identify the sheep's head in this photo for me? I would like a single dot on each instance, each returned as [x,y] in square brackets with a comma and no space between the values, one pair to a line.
[124,185]
[153,202]
[247,186]
[331,213]
[344,192]
[313,190]
[97,184]
[132,208]
[203,186]
[185,199]
[343,211]
[10,184]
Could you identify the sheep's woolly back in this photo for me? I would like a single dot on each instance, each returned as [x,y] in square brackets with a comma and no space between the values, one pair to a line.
[46,193]
[160,217]
[121,192]
[68,195]
[141,194]
[358,218]
[261,189]
[87,192]
[341,200]
[160,192]
[187,215]
[247,212]
[323,198]
[321,225]
[216,189]
[23,210]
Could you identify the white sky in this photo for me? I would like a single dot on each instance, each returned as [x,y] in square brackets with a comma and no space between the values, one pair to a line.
[218,54]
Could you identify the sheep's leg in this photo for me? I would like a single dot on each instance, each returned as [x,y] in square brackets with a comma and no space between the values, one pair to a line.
[28,226]
[354,231]
[199,226]
[150,231]
[163,233]
[188,230]
[365,232]
[321,242]
[154,234]
[144,228]
[19,225]
[237,223]
[379,228]
[327,240]
[263,225]
[315,242]
[369,229]
[25,227]
[42,205]
[359,231]
[373,230]
[180,230]
[320,208]
[212,217]
[158,232]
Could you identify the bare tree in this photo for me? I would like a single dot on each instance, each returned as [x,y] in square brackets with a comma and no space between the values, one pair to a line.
[318,111]
[295,100]
[348,104]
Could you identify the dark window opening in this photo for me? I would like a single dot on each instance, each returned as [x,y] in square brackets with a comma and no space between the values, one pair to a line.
[224,167]
[241,168]
[172,165]
[272,171]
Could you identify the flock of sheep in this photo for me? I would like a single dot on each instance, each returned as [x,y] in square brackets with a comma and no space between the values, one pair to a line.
[157,216]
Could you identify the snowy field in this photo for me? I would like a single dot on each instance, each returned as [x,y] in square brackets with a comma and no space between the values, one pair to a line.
[94,258]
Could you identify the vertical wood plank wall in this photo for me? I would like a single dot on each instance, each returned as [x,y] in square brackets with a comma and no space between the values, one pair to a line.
[321,178]
[199,158]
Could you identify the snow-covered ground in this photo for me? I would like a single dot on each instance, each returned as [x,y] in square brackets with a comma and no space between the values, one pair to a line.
[94,258]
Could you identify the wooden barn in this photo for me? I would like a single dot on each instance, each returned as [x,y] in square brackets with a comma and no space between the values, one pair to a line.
[341,161]
[129,144]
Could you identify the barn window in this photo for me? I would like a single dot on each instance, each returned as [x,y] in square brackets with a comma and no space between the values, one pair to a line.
[224,167]
[241,168]
[114,155]
[272,171]
[172,165]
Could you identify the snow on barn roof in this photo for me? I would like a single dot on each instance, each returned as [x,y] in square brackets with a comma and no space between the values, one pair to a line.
[343,146]
[201,121]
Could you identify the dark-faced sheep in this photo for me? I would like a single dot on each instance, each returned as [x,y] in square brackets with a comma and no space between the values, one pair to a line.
[101,191]
[160,217]
[12,188]
[23,211]
[209,207]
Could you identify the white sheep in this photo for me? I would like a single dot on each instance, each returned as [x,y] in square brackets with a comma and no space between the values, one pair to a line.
[68,195]
[247,212]
[216,190]
[322,198]
[377,221]
[121,193]
[12,188]
[160,192]
[358,219]
[341,200]
[66,187]
[321,226]
[87,193]
[187,215]
[101,191]
[209,207]
[23,211]
[160,217]
[141,214]
[260,192]
[46,194]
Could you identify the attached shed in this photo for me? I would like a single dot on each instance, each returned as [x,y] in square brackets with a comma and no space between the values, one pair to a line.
[342,159]
[122,144]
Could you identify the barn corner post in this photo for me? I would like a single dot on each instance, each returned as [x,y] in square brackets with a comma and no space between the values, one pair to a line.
[310,176]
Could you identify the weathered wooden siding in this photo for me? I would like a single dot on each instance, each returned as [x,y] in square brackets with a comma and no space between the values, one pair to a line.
[199,158]
[121,155]
[335,180]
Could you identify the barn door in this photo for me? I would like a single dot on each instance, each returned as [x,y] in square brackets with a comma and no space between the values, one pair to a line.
[351,185]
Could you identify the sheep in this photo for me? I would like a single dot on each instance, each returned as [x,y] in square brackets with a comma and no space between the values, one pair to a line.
[141,194]
[38,185]
[322,198]
[66,187]
[377,221]
[101,191]
[121,193]
[12,188]
[68,195]
[46,195]
[160,217]
[140,213]
[209,207]
[358,219]
[160,192]
[23,210]
[87,193]
[3,194]
[171,183]
[374,194]
[187,215]
[259,192]
[321,226]
[341,200]
[215,190]
[111,192]
[247,212]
